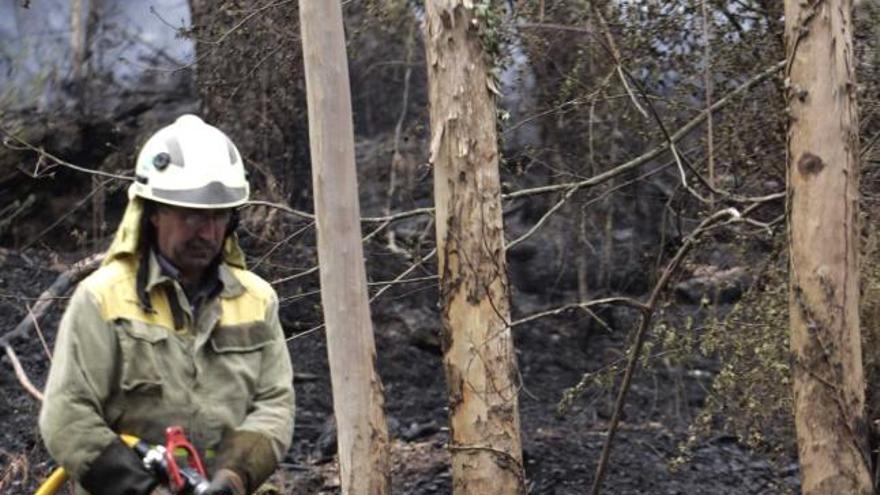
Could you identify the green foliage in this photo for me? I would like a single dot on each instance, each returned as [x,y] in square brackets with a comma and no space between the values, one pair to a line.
[599,381]
[751,392]
[494,31]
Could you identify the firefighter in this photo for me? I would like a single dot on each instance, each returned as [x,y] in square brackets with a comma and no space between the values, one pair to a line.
[173,330]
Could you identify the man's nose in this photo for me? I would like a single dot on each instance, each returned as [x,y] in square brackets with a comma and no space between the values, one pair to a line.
[209,230]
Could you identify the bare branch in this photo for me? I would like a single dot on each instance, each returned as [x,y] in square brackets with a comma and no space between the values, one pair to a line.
[387,285]
[284,208]
[620,301]
[21,374]
[281,243]
[681,172]
[660,148]
[295,276]
[39,332]
[543,219]
[62,284]
[604,176]
[68,213]
[43,154]
[406,272]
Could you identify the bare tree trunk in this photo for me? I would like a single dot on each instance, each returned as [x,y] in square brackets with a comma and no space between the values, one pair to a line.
[87,63]
[94,29]
[478,353]
[358,399]
[78,69]
[824,233]
[707,83]
[583,242]
[97,209]
[77,42]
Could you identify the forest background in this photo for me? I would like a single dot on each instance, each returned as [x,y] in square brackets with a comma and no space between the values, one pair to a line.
[610,162]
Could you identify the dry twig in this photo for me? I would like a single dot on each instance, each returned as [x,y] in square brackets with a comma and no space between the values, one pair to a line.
[26,382]
[43,155]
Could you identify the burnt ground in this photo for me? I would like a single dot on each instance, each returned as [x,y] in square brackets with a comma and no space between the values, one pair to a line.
[561,452]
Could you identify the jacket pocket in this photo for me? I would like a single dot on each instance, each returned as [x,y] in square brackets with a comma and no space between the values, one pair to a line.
[140,344]
[237,360]
[248,337]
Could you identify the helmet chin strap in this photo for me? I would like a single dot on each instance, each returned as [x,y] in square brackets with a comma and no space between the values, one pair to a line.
[147,240]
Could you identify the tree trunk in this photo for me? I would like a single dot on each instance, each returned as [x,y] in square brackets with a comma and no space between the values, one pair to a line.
[824,255]
[77,42]
[478,353]
[94,29]
[358,399]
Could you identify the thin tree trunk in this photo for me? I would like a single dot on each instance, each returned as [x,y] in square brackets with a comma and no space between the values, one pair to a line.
[97,209]
[707,83]
[77,42]
[358,399]
[582,260]
[478,353]
[94,30]
[824,273]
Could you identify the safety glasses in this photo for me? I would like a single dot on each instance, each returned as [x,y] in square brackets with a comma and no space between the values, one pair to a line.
[193,218]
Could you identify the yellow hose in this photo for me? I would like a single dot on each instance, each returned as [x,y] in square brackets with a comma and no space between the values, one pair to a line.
[58,477]
[53,483]
[129,440]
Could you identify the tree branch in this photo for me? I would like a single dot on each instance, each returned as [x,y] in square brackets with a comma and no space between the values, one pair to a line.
[21,374]
[642,332]
[43,154]
[59,287]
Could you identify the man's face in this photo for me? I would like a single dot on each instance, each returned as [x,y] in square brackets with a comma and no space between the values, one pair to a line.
[190,238]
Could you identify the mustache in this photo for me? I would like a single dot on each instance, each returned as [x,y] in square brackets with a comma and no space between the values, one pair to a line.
[200,245]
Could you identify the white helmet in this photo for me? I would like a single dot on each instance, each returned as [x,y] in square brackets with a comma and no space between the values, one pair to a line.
[192,164]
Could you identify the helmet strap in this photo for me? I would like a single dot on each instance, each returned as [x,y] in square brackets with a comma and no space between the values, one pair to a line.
[145,244]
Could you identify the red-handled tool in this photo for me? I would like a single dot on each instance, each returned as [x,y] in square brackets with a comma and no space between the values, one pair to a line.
[187,479]
[183,478]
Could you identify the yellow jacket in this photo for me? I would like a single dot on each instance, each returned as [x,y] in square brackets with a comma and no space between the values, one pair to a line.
[119,369]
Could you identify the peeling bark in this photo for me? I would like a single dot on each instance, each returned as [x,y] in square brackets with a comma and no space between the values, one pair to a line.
[823,245]
[478,350]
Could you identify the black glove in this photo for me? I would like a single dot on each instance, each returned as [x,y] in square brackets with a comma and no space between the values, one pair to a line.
[118,471]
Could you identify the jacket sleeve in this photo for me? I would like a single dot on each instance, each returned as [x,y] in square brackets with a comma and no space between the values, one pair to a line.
[72,416]
[258,445]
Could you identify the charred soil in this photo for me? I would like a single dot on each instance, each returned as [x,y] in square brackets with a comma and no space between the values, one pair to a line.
[560,451]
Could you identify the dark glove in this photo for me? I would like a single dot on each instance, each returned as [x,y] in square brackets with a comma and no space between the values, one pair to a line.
[249,455]
[118,471]
[225,482]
